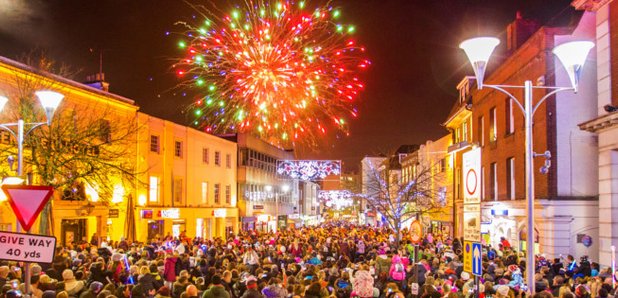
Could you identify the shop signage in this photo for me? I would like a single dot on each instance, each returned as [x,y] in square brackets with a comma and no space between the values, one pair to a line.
[146,213]
[472,225]
[472,176]
[27,247]
[113,213]
[219,213]
[172,213]
[258,207]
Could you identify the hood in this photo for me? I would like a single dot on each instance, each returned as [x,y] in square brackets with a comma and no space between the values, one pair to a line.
[342,283]
[396,259]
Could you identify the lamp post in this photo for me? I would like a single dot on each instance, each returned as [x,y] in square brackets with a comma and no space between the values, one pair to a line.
[50,101]
[572,55]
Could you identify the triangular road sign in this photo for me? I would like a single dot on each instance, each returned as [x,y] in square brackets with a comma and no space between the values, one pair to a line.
[27,201]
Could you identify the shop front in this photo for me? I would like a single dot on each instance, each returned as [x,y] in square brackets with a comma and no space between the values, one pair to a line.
[206,223]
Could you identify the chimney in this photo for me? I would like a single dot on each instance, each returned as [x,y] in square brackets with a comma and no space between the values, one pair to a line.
[97,81]
[519,31]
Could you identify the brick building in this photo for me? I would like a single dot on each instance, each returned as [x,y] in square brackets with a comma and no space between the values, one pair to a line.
[565,197]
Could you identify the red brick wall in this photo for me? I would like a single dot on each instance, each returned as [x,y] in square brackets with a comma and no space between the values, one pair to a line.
[529,63]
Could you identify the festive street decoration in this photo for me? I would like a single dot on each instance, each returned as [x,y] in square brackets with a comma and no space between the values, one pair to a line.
[284,70]
[308,169]
[336,199]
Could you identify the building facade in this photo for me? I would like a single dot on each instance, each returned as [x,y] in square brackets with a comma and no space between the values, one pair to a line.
[459,124]
[190,179]
[565,189]
[263,195]
[603,122]
[77,211]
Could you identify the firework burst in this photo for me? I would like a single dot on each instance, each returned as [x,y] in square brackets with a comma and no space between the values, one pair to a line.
[279,69]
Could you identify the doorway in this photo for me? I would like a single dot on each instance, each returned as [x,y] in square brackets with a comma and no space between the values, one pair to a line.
[155,229]
[73,231]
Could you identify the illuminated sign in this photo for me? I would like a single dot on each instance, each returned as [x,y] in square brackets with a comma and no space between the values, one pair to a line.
[220,213]
[308,169]
[146,213]
[170,213]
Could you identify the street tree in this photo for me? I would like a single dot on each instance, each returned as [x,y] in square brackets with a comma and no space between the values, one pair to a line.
[87,145]
[400,198]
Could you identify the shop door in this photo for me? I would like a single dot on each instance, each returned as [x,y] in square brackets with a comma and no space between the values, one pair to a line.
[73,231]
[155,229]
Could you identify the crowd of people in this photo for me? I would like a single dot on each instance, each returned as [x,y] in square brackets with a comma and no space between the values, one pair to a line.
[332,260]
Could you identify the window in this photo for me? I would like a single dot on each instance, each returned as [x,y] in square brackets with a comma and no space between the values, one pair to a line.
[481,131]
[465,131]
[440,166]
[228,161]
[493,180]
[154,143]
[205,193]
[493,132]
[217,158]
[177,190]
[510,178]
[217,193]
[205,155]
[153,190]
[178,149]
[228,194]
[105,130]
[508,113]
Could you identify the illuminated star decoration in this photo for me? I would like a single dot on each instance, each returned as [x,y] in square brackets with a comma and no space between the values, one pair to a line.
[280,70]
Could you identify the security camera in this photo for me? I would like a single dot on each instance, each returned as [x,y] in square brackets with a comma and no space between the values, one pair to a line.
[610,108]
[545,168]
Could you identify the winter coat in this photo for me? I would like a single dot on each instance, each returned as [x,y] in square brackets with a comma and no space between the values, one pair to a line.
[363,284]
[274,291]
[217,291]
[397,271]
[151,281]
[169,273]
[382,265]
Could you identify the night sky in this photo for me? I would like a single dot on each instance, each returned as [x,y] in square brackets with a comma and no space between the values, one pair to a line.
[412,44]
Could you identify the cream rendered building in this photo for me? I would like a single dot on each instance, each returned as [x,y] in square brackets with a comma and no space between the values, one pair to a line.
[190,182]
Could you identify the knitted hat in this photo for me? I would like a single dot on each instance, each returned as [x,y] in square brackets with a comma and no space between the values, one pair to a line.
[67,274]
[503,290]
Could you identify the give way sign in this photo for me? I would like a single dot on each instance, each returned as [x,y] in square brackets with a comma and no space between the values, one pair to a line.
[27,201]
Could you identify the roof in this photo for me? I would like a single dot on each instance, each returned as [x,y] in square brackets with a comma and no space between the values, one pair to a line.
[63,80]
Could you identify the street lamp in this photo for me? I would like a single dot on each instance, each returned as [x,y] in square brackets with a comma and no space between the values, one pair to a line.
[572,55]
[50,101]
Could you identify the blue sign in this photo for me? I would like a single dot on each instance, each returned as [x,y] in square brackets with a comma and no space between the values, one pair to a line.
[477,259]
